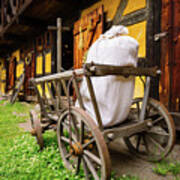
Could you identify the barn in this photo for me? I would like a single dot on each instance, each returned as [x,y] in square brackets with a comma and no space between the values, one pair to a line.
[30,43]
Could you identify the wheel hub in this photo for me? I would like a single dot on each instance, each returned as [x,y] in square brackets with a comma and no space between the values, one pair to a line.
[77,149]
[33,132]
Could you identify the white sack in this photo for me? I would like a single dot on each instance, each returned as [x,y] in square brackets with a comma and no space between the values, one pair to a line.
[113,93]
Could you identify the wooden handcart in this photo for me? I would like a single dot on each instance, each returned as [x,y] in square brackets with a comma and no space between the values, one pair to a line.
[148,132]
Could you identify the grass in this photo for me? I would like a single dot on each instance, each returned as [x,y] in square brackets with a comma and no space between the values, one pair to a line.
[10,116]
[20,158]
[166,167]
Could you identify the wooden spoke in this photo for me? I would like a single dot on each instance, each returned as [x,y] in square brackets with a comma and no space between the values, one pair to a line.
[155,142]
[64,87]
[138,108]
[72,134]
[148,111]
[87,144]
[138,142]
[145,143]
[68,155]
[91,168]
[85,169]
[56,86]
[158,133]
[66,126]
[82,132]
[74,163]
[78,164]
[75,129]
[65,139]
[93,157]
[157,120]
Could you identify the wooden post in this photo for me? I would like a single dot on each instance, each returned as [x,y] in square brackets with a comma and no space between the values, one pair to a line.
[59,49]
[59,44]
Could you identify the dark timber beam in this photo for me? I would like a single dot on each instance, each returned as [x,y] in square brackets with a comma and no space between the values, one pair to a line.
[33,22]
[14,37]
[15,18]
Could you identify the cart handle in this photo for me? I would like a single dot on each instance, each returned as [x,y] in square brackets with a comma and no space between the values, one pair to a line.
[92,69]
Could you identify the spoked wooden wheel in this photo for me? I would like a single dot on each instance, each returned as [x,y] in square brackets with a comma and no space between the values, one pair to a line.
[82,145]
[36,129]
[155,143]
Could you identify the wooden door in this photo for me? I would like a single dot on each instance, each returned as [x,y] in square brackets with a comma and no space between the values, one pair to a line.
[164,90]
[86,31]
[30,72]
[176,57]
[170,57]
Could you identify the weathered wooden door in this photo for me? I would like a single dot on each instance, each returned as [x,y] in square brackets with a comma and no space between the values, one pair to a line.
[170,56]
[30,72]
[86,31]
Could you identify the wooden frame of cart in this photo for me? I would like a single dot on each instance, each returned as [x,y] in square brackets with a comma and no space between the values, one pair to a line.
[149,130]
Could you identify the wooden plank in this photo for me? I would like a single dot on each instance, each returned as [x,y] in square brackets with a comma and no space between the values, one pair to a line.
[175,60]
[164,80]
[86,31]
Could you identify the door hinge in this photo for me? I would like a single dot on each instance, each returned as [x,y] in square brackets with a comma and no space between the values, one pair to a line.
[158,36]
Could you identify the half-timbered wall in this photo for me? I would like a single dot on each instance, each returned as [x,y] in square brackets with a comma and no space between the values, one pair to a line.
[142,18]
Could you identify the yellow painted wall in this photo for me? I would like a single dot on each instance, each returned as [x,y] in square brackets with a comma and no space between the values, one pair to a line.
[138,31]
[2,77]
[19,66]
[134,5]
[39,70]
[39,65]
[48,62]
[19,69]
[48,70]
[110,7]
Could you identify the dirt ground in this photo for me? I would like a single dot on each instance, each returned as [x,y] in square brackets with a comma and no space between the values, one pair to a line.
[125,163]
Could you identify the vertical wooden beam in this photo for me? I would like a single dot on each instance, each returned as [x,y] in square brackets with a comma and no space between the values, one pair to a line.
[59,44]
[171,54]
[59,49]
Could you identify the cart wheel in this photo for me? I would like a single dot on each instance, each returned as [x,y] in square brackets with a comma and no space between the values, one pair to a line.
[158,141]
[36,128]
[82,145]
